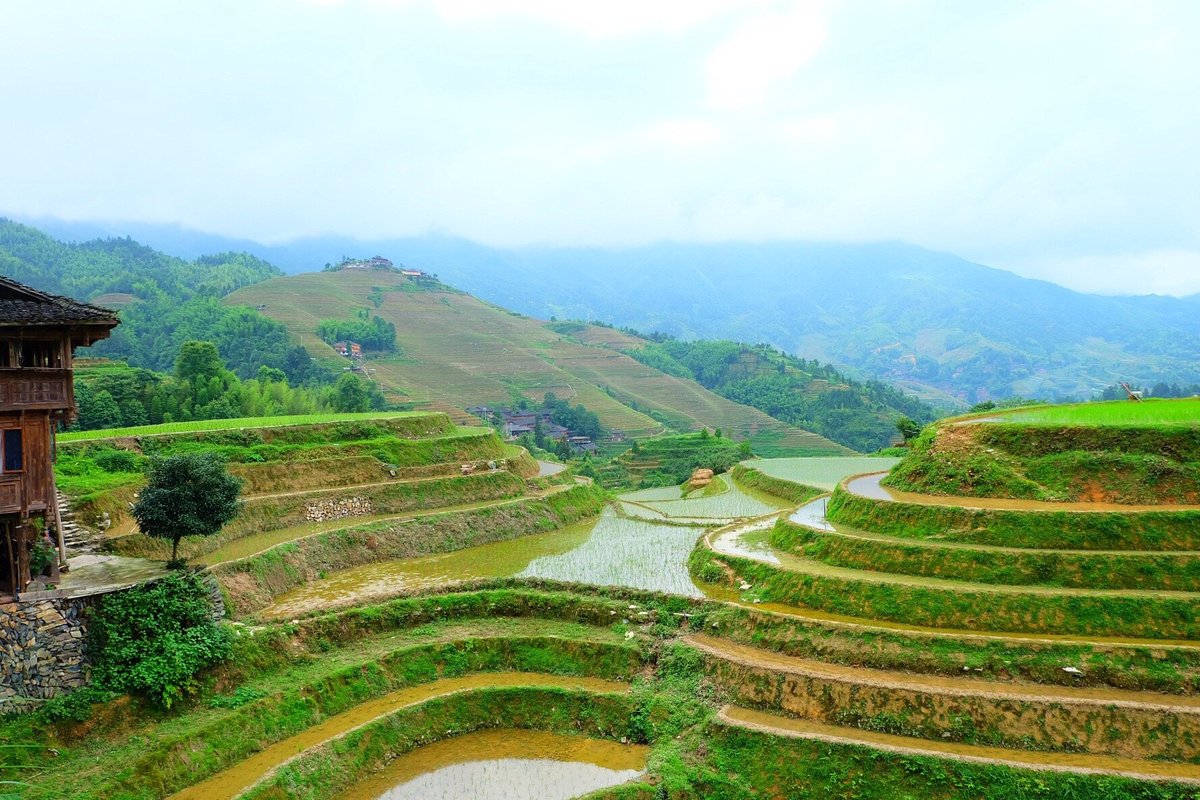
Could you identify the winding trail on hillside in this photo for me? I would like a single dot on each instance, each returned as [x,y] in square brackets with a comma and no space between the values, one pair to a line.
[812,515]
[236,780]
[1083,764]
[942,685]
[730,540]
[870,487]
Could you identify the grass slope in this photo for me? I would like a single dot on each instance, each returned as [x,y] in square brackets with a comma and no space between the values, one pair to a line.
[457,349]
[202,426]
[1121,412]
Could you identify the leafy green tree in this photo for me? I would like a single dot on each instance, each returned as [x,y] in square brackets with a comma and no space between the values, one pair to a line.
[186,495]
[350,394]
[198,360]
[96,409]
[908,428]
[267,374]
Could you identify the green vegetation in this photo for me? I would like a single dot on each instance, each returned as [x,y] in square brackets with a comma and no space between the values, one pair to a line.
[186,495]
[824,473]
[202,426]
[754,759]
[115,395]
[373,332]
[670,460]
[250,584]
[1143,465]
[803,393]
[1009,566]
[787,490]
[165,301]
[285,679]
[459,350]
[1051,530]
[155,638]
[1149,412]
[957,605]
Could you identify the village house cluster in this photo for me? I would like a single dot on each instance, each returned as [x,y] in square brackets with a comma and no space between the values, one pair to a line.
[515,423]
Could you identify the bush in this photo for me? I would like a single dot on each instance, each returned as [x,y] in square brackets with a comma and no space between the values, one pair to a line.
[118,461]
[153,639]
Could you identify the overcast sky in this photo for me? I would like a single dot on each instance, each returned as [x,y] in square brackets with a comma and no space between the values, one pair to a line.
[1055,139]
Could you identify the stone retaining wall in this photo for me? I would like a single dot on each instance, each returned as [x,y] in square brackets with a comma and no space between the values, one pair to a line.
[338,508]
[42,648]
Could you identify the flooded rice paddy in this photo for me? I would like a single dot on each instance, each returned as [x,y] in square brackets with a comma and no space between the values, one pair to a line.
[234,781]
[503,765]
[823,473]
[644,546]
[625,552]
[607,551]
[731,504]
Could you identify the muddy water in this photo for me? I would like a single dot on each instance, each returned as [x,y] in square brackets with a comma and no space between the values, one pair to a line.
[608,551]
[246,546]
[870,486]
[232,782]
[504,764]
[1062,762]
[388,578]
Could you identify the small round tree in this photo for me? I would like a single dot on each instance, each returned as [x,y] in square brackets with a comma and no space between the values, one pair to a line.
[188,495]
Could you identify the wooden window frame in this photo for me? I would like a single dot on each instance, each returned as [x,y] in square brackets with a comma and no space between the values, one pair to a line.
[4,470]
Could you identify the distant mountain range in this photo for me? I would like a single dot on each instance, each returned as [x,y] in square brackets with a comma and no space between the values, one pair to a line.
[936,324]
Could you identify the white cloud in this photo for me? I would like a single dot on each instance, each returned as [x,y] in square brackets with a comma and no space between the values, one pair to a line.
[1174,272]
[684,132]
[765,49]
[599,19]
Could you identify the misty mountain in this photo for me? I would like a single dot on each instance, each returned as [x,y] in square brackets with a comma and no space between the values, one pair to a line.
[928,321]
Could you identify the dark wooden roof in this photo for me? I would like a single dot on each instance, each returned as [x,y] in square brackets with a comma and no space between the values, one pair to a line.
[22,305]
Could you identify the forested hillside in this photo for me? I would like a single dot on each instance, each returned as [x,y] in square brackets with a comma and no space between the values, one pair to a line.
[804,393]
[956,331]
[163,301]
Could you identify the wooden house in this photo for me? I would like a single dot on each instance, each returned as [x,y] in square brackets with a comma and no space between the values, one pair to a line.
[38,336]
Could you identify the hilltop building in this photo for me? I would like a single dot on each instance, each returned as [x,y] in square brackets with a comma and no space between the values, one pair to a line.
[38,336]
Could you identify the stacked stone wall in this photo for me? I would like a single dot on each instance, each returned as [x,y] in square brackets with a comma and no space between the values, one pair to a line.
[43,649]
[338,508]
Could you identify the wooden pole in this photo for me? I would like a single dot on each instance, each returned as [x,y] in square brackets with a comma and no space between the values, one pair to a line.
[9,531]
[58,526]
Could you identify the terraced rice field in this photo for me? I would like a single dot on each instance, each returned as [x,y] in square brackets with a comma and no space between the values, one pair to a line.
[200,426]
[457,349]
[1150,412]
[823,473]
[717,509]
[517,764]
[804,649]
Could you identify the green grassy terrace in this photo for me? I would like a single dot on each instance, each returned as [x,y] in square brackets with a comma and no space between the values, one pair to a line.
[1117,412]
[200,426]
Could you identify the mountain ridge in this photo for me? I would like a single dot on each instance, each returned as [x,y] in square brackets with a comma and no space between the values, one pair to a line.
[931,322]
